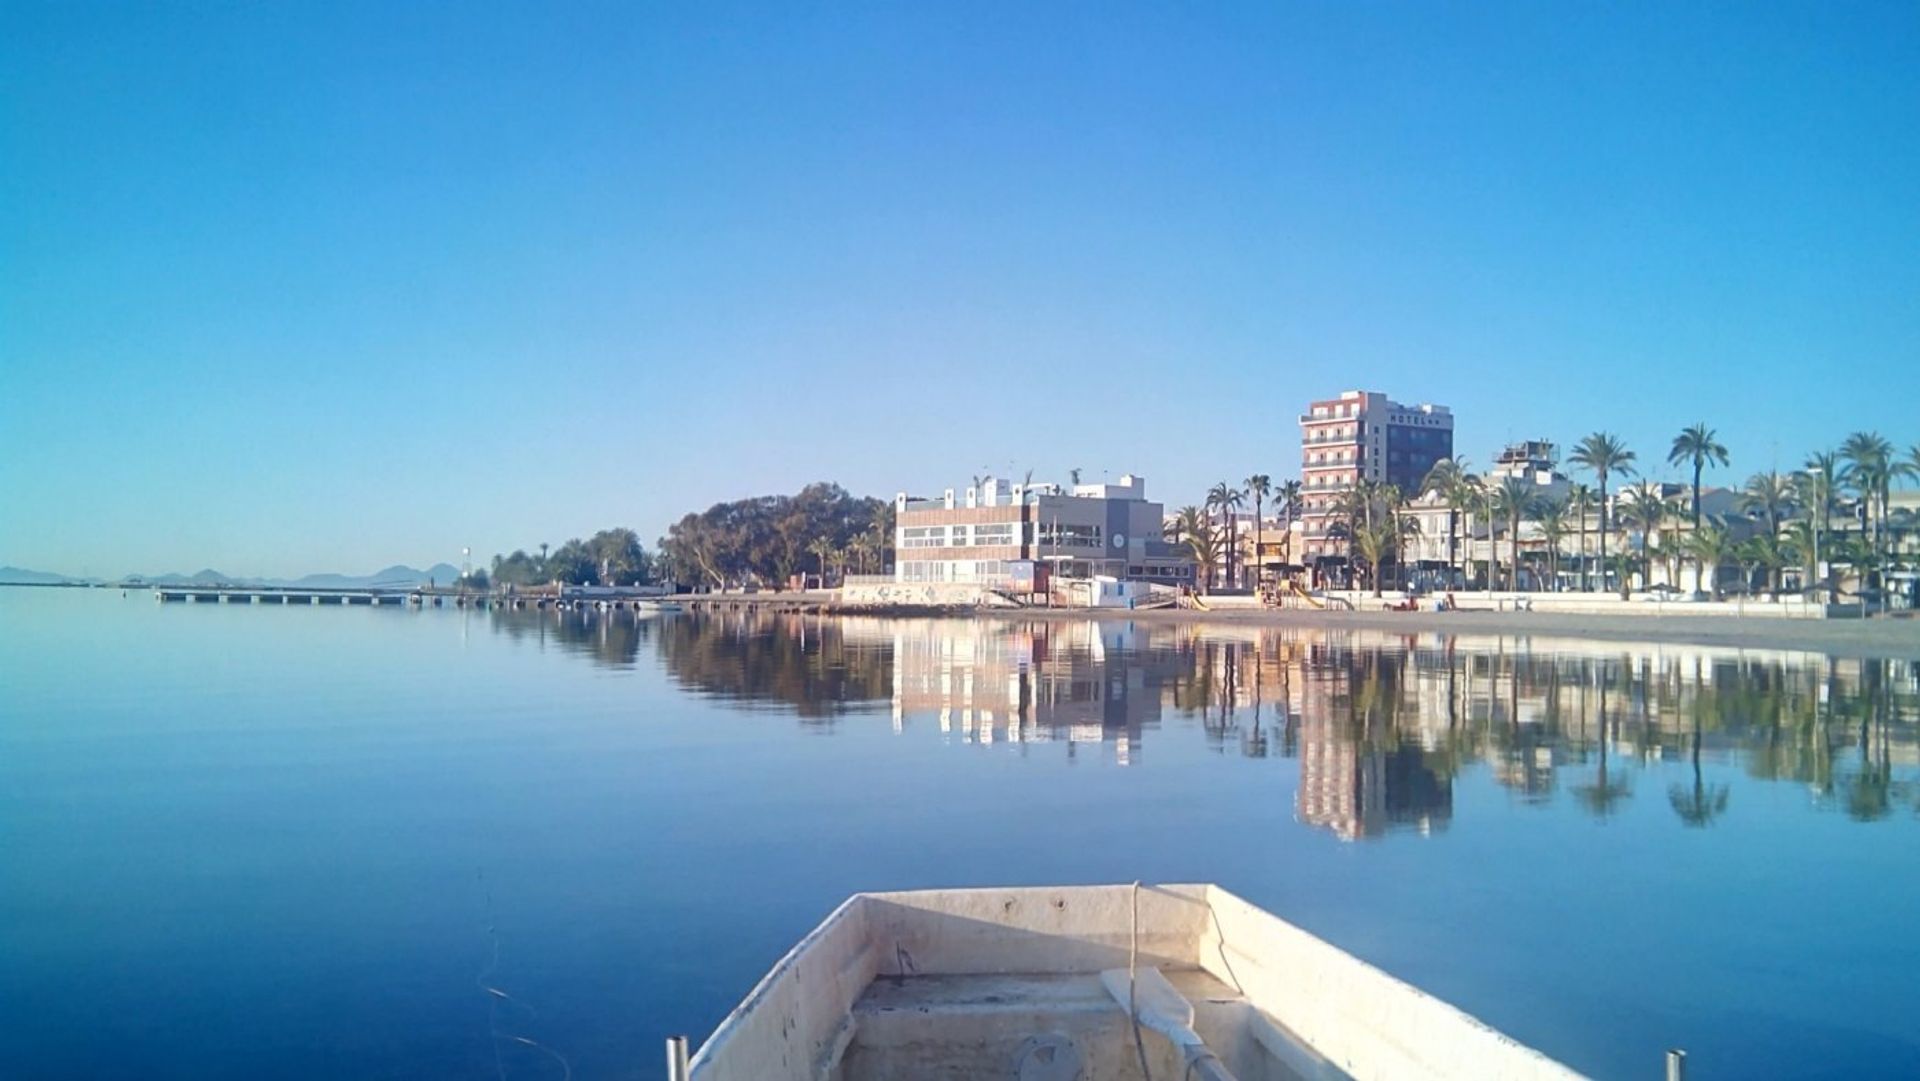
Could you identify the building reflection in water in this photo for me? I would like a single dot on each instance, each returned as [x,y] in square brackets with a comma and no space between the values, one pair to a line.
[1380,725]
[1041,682]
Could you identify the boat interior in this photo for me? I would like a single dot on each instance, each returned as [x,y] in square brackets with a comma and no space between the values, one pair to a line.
[1090,983]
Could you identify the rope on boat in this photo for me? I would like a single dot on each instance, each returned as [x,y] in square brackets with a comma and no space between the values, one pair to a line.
[1133,964]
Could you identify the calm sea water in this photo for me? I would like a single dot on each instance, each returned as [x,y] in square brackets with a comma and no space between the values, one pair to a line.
[306,842]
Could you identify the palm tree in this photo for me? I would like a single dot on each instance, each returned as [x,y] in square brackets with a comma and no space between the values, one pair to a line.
[1511,499]
[1287,499]
[1373,542]
[1579,502]
[1649,512]
[861,548]
[1478,500]
[1711,548]
[1190,525]
[879,542]
[1699,447]
[1258,486]
[1800,542]
[1822,470]
[1605,456]
[823,549]
[1770,494]
[1765,551]
[1224,499]
[1449,479]
[1552,516]
[1869,470]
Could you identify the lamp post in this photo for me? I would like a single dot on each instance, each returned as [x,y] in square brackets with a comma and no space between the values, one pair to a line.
[1820,493]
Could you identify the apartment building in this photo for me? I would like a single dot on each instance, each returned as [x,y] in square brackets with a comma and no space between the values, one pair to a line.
[1362,435]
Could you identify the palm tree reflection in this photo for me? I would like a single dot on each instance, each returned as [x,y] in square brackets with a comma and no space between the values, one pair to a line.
[1381,726]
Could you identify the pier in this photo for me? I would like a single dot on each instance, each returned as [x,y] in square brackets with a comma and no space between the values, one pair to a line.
[445,597]
[432,597]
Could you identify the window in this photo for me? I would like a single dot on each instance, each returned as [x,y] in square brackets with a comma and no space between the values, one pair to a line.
[994,533]
[926,536]
[1070,536]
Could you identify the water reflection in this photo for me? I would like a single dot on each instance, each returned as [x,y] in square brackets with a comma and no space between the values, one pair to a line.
[1380,725]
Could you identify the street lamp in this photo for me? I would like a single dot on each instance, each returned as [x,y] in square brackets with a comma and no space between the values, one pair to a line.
[1821,494]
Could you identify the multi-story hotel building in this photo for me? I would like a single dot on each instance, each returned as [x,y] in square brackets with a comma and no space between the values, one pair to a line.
[991,533]
[1362,435]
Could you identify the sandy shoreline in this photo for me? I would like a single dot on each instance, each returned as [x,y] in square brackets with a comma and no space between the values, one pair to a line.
[1841,637]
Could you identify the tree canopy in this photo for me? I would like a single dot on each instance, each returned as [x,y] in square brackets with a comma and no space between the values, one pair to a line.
[770,538]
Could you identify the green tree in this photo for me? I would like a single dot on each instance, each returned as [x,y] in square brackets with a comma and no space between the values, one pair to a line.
[1605,456]
[1373,542]
[824,550]
[1551,514]
[1450,480]
[1770,495]
[1225,500]
[1286,500]
[1191,527]
[618,557]
[1698,446]
[1580,504]
[1512,501]
[1648,513]
[1259,486]
[1711,548]
[1869,470]
[572,564]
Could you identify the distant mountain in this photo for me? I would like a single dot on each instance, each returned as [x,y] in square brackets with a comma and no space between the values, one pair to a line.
[201,578]
[20,576]
[398,576]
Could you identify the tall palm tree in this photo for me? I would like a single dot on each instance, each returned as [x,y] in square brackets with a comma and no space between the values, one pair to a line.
[1579,502]
[879,543]
[1512,499]
[1605,456]
[1699,447]
[1287,499]
[1869,470]
[1224,499]
[1711,548]
[1372,542]
[1477,499]
[1552,516]
[822,548]
[1771,495]
[1406,529]
[1800,541]
[1647,511]
[1190,526]
[1764,551]
[1258,486]
[1448,480]
[1822,471]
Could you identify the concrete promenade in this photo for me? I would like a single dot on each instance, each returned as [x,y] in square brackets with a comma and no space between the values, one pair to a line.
[1875,637]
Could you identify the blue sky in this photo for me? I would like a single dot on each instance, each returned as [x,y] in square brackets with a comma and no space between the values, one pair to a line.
[288,288]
